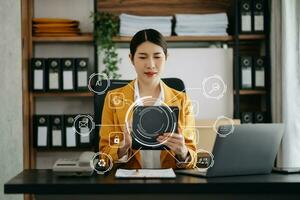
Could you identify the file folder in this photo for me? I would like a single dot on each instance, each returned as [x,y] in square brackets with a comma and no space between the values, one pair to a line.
[259,117]
[38,73]
[246,117]
[246,72]
[41,131]
[56,127]
[71,137]
[258,15]
[68,74]
[81,65]
[259,75]
[54,74]
[245,16]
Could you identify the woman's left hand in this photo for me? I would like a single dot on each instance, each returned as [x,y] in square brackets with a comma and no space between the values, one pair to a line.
[176,143]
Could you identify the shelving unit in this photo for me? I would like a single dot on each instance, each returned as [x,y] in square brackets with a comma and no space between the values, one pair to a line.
[32,100]
[243,99]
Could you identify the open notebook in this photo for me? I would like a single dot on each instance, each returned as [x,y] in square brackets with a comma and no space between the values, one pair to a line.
[145,173]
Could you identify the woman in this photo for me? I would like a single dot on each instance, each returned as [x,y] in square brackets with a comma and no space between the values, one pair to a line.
[148,54]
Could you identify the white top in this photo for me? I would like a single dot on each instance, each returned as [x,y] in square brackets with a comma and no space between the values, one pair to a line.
[149,158]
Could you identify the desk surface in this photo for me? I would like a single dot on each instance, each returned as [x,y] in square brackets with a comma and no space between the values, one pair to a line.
[45,182]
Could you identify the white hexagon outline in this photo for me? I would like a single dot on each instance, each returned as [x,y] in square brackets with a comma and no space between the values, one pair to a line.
[231,123]
[92,163]
[221,94]
[97,74]
[90,118]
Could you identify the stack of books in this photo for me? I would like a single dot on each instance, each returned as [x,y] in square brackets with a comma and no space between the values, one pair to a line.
[130,24]
[201,24]
[47,27]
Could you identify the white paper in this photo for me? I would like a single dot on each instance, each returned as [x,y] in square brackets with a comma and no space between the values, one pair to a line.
[145,173]
[84,138]
[246,77]
[56,138]
[258,22]
[260,78]
[246,22]
[82,79]
[70,137]
[38,79]
[68,80]
[53,81]
[42,136]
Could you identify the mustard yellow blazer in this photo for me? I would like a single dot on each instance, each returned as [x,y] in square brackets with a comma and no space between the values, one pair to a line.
[113,121]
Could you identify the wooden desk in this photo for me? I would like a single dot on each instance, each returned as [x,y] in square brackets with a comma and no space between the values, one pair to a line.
[275,186]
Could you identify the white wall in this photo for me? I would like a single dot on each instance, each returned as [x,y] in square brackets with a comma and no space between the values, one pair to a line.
[193,66]
[11,141]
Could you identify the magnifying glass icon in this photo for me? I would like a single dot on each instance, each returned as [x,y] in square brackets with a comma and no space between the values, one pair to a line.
[215,87]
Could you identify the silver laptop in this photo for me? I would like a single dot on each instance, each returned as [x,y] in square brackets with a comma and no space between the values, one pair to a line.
[249,149]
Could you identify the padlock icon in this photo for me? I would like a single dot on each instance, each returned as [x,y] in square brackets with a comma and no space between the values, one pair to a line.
[116,139]
[101,163]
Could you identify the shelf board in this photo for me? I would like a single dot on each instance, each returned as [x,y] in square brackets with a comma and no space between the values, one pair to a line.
[225,38]
[88,37]
[252,37]
[181,38]
[252,92]
[63,94]
[84,37]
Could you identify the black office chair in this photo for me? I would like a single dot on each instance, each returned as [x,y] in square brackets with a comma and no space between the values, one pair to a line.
[174,83]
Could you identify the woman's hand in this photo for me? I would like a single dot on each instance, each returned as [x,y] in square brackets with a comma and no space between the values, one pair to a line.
[127,143]
[176,143]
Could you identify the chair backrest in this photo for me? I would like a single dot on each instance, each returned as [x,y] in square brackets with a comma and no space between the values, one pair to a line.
[174,83]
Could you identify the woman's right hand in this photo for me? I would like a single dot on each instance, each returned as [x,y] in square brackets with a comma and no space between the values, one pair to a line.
[127,143]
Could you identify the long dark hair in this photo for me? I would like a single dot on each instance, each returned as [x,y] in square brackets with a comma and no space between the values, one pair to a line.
[150,35]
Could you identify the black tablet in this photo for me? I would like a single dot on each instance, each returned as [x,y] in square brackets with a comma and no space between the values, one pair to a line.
[149,122]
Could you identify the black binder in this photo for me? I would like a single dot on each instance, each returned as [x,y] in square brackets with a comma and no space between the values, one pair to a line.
[246,72]
[81,65]
[71,137]
[259,72]
[38,74]
[259,117]
[68,74]
[246,117]
[54,74]
[56,131]
[259,16]
[41,131]
[245,16]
